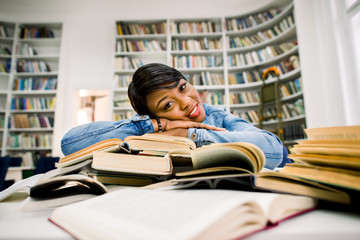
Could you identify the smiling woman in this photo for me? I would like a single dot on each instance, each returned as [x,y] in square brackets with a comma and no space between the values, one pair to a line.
[161,94]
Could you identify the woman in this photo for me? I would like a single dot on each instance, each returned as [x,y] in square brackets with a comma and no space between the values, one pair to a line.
[167,104]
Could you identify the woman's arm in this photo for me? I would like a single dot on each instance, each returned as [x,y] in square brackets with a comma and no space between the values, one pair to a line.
[239,130]
[88,134]
[85,135]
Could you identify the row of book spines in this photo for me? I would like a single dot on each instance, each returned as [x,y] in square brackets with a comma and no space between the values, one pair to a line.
[27,159]
[125,45]
[193,27]
[32,66]
[261,55]
[255,76]
[24,140]
[3,31]
[35,32]
[140,29]
[213,98]
[205,79]
[235,24]
[33,103]
[287,89]
[197,79]
[196,44]
[244,77]
[29,84]
[27,50]
[244,97]
[5,50]
[7,68]
[289,110]
[125,63]
[122,80]
[291,87]
[122,115]
[2,121]
[30,121]
[259,37]
[293,110]
[121,101]
[294,132]
[196,61]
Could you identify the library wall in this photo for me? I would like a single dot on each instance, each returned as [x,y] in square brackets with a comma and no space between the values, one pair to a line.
[88,35]
[88,38]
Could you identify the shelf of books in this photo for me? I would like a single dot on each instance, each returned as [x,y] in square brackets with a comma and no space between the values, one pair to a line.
[136,43]
[197,50]
[222,57]
[7,30]
[256,42]
[28,116]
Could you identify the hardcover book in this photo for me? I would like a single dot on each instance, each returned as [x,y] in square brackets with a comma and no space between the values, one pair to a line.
[136,213]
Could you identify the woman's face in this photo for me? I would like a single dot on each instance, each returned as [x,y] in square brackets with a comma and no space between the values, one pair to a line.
[180,103]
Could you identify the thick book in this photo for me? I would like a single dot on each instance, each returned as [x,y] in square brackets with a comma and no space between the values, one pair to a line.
[57,187]
[220,157]
[136,213]
[330,155]
[236,165]
[26,184]
[147,143]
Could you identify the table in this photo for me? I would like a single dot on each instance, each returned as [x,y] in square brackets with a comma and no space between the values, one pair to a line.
[318,224]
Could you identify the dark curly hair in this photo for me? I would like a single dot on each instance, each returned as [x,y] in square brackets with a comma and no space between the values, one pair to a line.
[148,79]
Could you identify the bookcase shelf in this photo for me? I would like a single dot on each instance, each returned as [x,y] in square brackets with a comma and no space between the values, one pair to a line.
[29,88]
[203,49]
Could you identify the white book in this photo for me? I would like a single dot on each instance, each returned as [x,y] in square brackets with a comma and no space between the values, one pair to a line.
[135,213]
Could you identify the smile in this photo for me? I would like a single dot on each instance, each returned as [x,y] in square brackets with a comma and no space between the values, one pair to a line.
[195,112]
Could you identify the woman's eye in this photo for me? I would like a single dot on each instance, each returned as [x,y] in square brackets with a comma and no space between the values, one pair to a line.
[167,105]
[182,87]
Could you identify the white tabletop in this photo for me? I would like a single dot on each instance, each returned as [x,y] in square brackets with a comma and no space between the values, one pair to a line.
[318,224]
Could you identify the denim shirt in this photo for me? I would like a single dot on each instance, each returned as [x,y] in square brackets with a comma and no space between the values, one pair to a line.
[238,130]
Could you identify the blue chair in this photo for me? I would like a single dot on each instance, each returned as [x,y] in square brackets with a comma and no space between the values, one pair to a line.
[4,165]
[46,164]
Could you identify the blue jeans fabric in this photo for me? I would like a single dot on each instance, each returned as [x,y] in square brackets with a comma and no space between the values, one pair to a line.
[238,130]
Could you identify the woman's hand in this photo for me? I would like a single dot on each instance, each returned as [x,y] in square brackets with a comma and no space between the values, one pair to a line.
[181,125]
[173,124]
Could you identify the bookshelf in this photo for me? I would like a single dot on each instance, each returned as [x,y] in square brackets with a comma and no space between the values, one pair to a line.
[29,89]
[223,57]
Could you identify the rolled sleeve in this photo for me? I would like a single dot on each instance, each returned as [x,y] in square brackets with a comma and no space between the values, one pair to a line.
[88,134]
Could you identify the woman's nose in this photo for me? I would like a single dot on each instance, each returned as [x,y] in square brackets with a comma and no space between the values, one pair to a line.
[185,102]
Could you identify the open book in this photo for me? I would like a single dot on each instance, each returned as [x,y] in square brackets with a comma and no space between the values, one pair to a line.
[57,187]
[220,165]
[240,166]
[135,213]
[221,157]
[147,143]
[26,184]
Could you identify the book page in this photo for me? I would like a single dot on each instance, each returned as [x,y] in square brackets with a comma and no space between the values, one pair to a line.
[20,186]
[344,132]
[140,213]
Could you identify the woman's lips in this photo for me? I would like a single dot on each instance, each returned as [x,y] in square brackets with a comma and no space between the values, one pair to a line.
[194,112]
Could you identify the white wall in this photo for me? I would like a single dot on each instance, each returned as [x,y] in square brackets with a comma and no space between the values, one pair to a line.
[88,38]
[331,87]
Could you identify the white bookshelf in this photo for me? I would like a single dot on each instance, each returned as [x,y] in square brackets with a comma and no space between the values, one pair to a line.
[30,88]
[204,48]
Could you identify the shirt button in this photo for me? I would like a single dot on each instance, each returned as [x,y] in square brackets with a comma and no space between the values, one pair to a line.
[194,136]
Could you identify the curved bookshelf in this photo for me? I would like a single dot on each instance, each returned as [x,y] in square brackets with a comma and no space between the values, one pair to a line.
[202,48]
